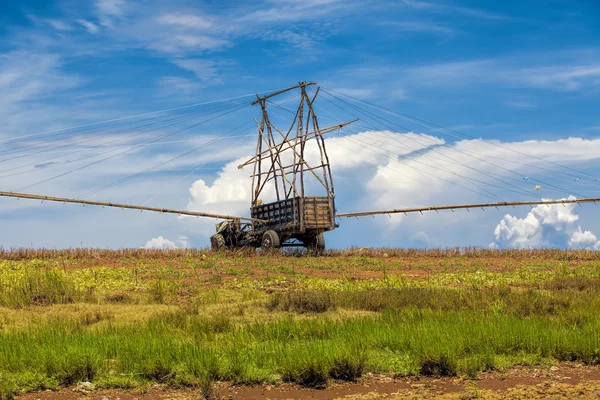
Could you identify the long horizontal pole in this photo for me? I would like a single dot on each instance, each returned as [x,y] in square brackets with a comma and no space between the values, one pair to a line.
[122,206]
[259,99]
[468,206]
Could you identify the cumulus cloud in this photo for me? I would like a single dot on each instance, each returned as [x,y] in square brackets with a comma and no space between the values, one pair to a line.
[230,192]
[160,243]
[166,244]
[394,170]
[544,226]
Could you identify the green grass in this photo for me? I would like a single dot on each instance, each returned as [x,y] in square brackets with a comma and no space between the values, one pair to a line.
[198,318]
[181,349]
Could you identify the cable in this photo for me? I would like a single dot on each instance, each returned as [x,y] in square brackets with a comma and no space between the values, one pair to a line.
[546,184]
[135,116]
[470,180]
[210,142]
[195,169]
[160,126]
[432,125]
[490,195]
[83,139]
[126,151]
[128,178]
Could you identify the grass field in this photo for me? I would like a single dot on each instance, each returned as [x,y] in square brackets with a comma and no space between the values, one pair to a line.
[189,318]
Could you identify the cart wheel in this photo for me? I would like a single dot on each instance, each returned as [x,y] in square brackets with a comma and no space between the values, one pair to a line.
[316,243]
[217,242]
[319,242]
[270,240]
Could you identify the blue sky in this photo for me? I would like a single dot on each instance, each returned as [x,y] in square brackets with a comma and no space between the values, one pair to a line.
[523,74]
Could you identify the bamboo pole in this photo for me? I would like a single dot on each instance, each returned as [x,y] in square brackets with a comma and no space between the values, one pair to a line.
[290,145]
[122,206]
[303,84]
[468,206]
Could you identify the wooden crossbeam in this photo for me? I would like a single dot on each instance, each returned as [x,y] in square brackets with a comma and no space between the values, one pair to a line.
[122,206]
[289,145]
[468,206]
[302,84]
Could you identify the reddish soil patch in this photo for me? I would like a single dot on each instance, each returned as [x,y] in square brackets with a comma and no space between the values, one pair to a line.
[564,381]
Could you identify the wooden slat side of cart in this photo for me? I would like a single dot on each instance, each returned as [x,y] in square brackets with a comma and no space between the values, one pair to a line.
[296,216]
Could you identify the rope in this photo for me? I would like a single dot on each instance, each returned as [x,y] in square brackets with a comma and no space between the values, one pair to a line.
[436,127]
[135,116]
[128,178]
[161,125]
[489,195]
[195,169]
[127,151]
[546,184]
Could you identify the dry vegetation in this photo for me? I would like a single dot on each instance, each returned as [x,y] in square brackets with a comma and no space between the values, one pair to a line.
[189,318]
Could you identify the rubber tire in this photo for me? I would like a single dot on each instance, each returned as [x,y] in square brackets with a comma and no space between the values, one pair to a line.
[217,242]
[316,243]
[319,242]
[270,240]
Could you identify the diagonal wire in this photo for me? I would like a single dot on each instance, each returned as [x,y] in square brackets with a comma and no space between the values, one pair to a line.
[51,147]
[196,169]
[127,151]
[467,154]
[134,116]
[136,132]
[454,133]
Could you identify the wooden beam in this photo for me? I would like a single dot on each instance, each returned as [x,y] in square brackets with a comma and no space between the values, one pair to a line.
[122,206]
[302,84]
[468,206]
[282,169]
[291,146]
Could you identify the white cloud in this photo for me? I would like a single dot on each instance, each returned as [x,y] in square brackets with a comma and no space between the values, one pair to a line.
[110,10]
[185,20]
[205,70]
[394,170]
[31,78]
[292,10]
[577,72]
[228,194]
[421,27]
[184,43]
[89,26]
[59,25]
[544,226]
[177,86]
[360,93]
[584,240]
[160,243]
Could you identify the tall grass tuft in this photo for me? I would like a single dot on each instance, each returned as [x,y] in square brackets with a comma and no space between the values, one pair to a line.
[38,287]
[303,301]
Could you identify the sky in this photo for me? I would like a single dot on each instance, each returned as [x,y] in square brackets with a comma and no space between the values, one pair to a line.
[515,87]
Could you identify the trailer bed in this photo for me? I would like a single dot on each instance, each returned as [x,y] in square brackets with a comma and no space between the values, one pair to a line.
[296,215]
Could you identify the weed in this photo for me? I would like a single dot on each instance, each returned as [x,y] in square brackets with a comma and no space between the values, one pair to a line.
[348,367]
[206,385]
[438,365]
[303,301]
[118,297]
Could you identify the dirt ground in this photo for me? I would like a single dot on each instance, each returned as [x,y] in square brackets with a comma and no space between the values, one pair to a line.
[565,381]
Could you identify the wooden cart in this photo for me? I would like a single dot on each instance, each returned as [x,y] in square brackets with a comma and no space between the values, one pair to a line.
[293,219]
